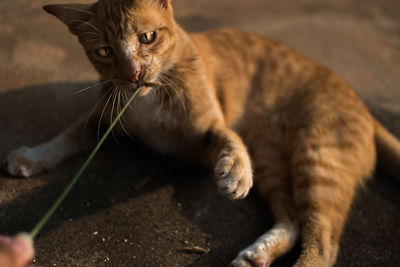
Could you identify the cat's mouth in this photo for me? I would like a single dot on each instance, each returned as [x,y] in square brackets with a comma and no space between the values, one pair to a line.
[150,84]
[145,83]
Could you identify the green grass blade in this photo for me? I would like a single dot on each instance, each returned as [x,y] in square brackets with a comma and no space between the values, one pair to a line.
[64,194]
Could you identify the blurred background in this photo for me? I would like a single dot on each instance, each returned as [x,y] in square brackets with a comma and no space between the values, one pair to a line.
[139,209]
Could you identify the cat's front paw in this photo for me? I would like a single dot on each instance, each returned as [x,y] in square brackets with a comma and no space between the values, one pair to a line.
[234,174]
[24,162]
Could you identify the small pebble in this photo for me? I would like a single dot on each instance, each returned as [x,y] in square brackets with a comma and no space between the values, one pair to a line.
[95,233]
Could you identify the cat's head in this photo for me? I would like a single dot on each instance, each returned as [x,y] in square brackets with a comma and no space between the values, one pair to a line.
[124,39]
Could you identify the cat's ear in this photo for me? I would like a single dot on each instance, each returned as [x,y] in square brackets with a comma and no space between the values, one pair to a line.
[164,3]
[73,15]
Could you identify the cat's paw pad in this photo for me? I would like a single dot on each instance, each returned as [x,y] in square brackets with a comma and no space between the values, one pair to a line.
[234,174]
[252,257]
[23,162]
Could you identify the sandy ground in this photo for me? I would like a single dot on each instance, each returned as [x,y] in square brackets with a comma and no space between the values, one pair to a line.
[134,208]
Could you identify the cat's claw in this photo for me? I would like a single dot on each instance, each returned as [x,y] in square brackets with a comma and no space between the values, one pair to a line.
[23,162]
[234,175]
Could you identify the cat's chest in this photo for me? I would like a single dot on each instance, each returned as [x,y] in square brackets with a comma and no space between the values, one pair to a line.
[156,126]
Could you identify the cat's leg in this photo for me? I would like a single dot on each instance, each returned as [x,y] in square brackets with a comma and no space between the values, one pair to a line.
[323,198]
[326,170]
[273,185]
[322,220]
[230,159]
[28,161]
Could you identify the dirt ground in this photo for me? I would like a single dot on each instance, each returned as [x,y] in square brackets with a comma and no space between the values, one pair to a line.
[135,208]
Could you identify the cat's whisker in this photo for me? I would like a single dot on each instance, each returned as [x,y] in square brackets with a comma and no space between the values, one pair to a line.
[91,113]
[121,119]
[178,91]
[102,113]
[156,93]
[160,92]
[91,33]
[126,97]
[167,91]
[94,40]
[169,97]
[174,76]
[162,97]
[112,112]
[87,23]
[181,99]
[91,86]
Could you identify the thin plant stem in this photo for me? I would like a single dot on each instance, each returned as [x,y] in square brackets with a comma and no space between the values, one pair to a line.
[64,194]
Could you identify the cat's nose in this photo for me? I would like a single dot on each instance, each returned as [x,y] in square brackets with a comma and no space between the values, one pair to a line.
[133,71]
[136,74]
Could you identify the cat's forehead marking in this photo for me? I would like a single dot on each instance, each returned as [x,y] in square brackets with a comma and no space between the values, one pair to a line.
[130,46]
[126,18]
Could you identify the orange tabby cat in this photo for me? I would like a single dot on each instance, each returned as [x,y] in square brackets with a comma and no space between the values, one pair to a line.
[220,96]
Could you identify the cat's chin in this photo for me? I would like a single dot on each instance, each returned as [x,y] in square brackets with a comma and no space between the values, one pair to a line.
[145,90]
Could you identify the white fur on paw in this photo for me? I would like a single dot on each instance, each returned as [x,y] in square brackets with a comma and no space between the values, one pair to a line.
[24,162]
[254,256]
[259,253]
[234,175]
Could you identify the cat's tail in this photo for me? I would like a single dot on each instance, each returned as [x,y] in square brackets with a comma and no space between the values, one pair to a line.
[388,149]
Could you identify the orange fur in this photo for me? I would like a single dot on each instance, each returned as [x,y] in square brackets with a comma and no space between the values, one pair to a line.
[222,96]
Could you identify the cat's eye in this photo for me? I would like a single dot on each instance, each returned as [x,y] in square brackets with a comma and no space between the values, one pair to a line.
[147,38]
[105,51]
